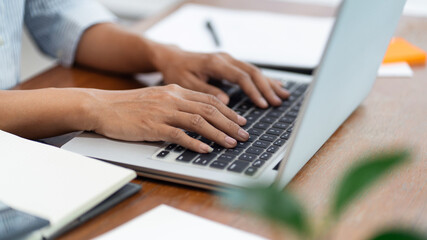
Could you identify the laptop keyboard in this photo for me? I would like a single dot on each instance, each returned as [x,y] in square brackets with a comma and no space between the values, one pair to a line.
[269,129]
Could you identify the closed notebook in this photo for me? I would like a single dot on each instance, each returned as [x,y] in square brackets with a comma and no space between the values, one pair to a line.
[52,183]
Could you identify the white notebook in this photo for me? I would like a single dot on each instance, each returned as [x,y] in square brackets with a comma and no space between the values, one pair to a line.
[164,222]
[259,37]
[52,183]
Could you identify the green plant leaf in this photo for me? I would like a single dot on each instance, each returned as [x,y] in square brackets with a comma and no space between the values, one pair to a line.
[363,175]
[398,234]
[271,203]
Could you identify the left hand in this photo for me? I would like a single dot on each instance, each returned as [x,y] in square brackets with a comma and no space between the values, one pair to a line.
[193,70]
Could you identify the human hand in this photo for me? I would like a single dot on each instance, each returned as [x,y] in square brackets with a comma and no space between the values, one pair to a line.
[159,114]
[193,70]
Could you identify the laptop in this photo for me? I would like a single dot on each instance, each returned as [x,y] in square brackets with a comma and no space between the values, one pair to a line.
[282,139]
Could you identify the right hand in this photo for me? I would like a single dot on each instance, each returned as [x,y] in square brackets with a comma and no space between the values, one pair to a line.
[159,114]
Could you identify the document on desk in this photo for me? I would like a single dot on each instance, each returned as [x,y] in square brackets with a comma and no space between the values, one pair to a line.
[165,222]
[258,37]
[52,183]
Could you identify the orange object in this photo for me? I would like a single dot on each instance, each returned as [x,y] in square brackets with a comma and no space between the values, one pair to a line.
[401,50]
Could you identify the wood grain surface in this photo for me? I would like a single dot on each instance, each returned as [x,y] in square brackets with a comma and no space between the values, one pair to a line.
[393,115]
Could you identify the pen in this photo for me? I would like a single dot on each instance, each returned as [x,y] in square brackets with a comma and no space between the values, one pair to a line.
[211,30]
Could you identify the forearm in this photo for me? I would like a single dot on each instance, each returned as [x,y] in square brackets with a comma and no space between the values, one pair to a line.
[46,112]
[109,47]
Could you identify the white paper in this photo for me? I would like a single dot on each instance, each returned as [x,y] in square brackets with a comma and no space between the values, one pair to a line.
[53,183]
[257,37]
[401,69]
[164,222]
[416,8]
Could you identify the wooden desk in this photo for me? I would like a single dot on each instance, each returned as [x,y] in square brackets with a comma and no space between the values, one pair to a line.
[394,114]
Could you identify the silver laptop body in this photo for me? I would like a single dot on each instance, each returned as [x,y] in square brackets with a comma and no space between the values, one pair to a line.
[348,69]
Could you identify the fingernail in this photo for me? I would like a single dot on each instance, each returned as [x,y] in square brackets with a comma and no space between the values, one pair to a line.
[230,141]
[241,120]
[285,92]
[277,99]
[223,98]
[263,102]
[206,148]
[243,134]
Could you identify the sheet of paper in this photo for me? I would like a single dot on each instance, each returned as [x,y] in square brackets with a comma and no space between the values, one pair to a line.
[254,36]
[164,222]
[53,183]
[395,70]
[416,8]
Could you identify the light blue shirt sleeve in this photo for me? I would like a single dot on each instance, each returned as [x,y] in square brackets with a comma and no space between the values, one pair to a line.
[57,25]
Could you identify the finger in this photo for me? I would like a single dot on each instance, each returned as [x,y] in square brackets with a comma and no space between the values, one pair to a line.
[279,89]
[176,135]
[261,82]
[196,84]
[196,123]
[222,69]
[214,101]
[216,118]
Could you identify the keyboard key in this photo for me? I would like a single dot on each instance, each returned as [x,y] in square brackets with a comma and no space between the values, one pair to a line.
[261,125]
[235,99]
[268,137]
[281,125]
[255,150]
[252,138]
[296,108]
[226,157]
[258,163]
[272,149]
[280,142]
[290,129]
[219,165]
[209,156]
[266,156]
[288,84]
[245,106]
[247,157]
[251,171]
[258,111]
[205,140]
[217,148]
[281,109]
[285,135]
[238,166]
[242,144]
[286,103]
[193,134]
[274,114]
[261,144]
[234,151]
[162,154]
[268,120]
[292,114]
[179,149]
[287,119]
[171,146]
[252,117]
[275,131]
[187,156]
[255,131]
[239,112]
[201,161]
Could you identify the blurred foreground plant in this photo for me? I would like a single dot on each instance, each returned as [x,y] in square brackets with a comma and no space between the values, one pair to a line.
[282,208]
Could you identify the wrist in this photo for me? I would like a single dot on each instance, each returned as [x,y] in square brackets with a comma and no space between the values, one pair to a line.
[160,54]
[86,107]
